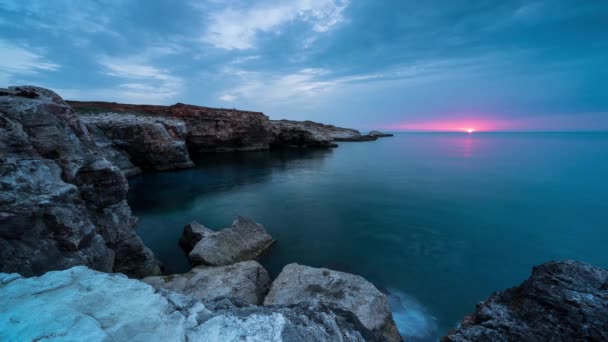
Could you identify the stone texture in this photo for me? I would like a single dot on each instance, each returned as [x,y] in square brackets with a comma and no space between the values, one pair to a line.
[80,304]
[297,283]
[151,143]
[245,240]
[379,134]
[61,203]
[561,301]
[209,129]
[246,281]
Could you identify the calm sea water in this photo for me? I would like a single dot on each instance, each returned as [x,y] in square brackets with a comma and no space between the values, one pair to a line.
[439,221]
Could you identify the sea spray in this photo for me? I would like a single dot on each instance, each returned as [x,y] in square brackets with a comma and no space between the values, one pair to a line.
[414,321]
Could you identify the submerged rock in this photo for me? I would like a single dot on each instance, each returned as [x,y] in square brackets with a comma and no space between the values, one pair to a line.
[561,301]
[80,304]
[152,143]
[246,281]
[379,134]
[245,240]
[297,283]
[61,203]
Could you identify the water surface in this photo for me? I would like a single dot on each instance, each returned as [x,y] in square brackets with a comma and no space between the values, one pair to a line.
[440,221]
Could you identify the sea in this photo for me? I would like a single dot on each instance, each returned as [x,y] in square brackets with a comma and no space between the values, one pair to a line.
[438,221]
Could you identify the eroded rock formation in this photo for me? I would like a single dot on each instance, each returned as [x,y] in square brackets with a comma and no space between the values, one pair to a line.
[151,143]
[209,129]
[297,283]
[245,240]
[84,305]
[561,301]
[61,202]
[288,133]
[379,134]
[246,281]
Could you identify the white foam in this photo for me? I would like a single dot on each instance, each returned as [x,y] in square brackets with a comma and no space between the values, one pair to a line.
[414,321]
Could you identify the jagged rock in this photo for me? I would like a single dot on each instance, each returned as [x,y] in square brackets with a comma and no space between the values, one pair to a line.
[152,143]
[209,129]
[247,281]
[379,134]
[61,203]
[245,240]
[561,301]
[80,304]
[297,283]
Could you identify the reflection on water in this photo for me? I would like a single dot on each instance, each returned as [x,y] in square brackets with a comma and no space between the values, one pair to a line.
[445,218]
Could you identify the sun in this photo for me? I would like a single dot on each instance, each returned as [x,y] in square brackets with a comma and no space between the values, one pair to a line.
[470,130]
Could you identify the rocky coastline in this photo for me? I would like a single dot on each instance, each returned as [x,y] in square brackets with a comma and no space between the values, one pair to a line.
[68,242]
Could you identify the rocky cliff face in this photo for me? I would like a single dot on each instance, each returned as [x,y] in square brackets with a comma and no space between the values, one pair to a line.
[209,129]
[561,301]
[309,134]
[61,202]
[151,143]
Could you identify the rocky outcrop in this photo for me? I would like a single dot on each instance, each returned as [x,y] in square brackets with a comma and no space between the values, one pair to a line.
[245,240]
[61,203]
[209,129]
[379,134]
[561,301]
[297,283]
[151,143]
[245,281]
[80,304]
[311,134]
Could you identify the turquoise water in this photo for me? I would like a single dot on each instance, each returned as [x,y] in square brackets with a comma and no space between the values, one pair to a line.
[439,221]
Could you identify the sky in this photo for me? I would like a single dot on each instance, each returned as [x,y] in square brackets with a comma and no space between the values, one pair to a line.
[366,64]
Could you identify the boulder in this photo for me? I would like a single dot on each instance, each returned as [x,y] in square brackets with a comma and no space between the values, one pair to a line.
[80,304]
[246,281]
[152,143]
[379,134]
[561,301]
[245,240]
[297,283]
[61,202]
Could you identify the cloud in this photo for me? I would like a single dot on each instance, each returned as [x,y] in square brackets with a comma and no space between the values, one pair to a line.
[236,29]
[142,81]
[16,60]
[228,97]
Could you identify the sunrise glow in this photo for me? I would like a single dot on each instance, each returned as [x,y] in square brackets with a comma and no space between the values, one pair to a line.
[470,130]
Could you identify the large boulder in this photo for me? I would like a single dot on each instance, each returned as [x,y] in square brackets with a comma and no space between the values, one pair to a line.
[298,283]
[561,301]
[245,240]
[80,304]
[246,281]
[152,143]
[208,129]
[61,202]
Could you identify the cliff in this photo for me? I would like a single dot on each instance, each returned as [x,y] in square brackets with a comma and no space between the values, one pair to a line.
[61,202]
